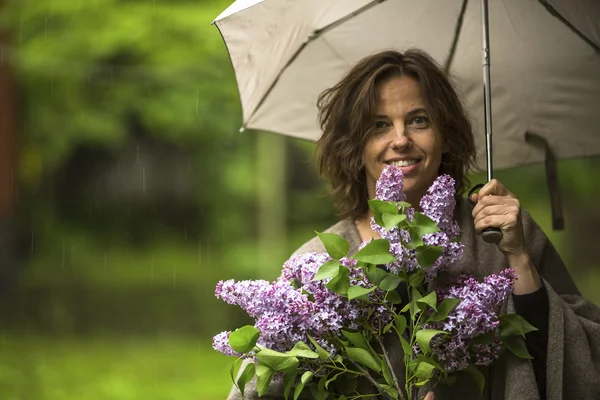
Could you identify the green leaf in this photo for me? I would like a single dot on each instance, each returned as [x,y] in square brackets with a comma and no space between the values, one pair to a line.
[317,390]
[387,373]
[264,375]
[289,378]
[323,354]
[415,240]
[423,370]
[516,345]
[357,339]
[301,349]
[306,377]
[359,292]
[429,300]
[423,225]
[382,206]
[405,348]
[375,274]
[392,220]
[416,278]
[400,322]
[477,377]
[341,282]
[391,282]
[245,377]
[298,390]
[390,390]
[345,384]
[244,339]
[514,324]
[424,336]
[327,270]
[337,247]
[335,376]
[486,338]
[393,297]
[444,309]
[414,308]
[375,252]
[449,380]
[276,360]
[427,255]
[235,368]
[364,357]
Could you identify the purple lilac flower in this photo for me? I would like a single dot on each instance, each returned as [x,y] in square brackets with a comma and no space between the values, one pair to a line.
[475,315]
[291,307]
[221,343]
[390,185]
[438,204]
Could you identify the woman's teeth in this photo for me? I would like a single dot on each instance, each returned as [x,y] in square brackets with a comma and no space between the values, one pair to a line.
[403,163]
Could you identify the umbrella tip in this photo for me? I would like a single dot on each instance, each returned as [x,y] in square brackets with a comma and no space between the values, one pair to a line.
[242,129]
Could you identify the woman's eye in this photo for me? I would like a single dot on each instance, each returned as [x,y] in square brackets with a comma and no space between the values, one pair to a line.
[380,125]
[420,120]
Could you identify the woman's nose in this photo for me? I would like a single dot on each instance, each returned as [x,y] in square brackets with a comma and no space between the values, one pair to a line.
[400,140]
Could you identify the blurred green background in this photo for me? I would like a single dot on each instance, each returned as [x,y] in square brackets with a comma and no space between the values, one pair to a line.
[127,192]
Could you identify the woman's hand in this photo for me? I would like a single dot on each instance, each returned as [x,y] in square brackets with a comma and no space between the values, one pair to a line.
[496,207]
[429,396]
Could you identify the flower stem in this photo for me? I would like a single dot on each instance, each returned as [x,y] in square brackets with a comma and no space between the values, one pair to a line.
[370,378]
[389,363]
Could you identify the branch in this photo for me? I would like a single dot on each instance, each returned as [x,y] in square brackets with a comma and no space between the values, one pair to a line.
[373,381]
[389,363]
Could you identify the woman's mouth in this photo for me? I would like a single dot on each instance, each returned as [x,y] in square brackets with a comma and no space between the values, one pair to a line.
[403,163]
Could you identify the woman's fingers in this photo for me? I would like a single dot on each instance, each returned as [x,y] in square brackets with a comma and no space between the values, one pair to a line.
[429,396]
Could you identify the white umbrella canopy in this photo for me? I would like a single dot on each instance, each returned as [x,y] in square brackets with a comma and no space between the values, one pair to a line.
[545,63]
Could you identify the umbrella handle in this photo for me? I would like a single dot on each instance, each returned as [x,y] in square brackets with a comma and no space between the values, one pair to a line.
[489,235]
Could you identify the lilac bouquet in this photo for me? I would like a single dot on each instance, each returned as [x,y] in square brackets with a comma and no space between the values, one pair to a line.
[323,322]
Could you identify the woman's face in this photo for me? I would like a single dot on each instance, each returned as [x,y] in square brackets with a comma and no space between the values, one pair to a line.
[405,136]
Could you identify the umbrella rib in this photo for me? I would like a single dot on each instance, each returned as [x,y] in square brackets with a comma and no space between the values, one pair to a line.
[457,30]
[312,37]
[562,19]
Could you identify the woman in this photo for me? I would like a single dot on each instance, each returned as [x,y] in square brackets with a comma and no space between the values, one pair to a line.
[399,108]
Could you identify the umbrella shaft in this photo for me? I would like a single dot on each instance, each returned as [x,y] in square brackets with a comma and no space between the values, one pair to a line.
[487,89]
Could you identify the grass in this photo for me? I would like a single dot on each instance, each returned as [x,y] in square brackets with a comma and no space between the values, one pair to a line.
[42,368]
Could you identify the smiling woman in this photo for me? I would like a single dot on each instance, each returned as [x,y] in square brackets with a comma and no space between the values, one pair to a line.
[400,108]
[392,107]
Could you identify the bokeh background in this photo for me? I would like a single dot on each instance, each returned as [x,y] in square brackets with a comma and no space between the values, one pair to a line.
[127,192]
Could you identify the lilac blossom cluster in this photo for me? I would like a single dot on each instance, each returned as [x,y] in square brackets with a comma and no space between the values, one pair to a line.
[477,314]
[293,306]
[438,204]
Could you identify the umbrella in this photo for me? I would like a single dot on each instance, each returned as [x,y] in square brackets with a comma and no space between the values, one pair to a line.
[544,80]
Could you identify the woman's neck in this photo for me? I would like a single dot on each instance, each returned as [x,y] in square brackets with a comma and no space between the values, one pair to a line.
[363,225]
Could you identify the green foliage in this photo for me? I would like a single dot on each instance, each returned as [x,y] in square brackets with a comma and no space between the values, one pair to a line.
[336,246]
[244,339]
[111,367]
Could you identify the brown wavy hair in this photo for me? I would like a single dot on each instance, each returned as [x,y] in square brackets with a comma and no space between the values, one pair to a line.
[346,113]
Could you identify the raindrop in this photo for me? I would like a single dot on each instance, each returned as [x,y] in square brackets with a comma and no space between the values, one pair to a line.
[152,271]
[143,179]
[200,252]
